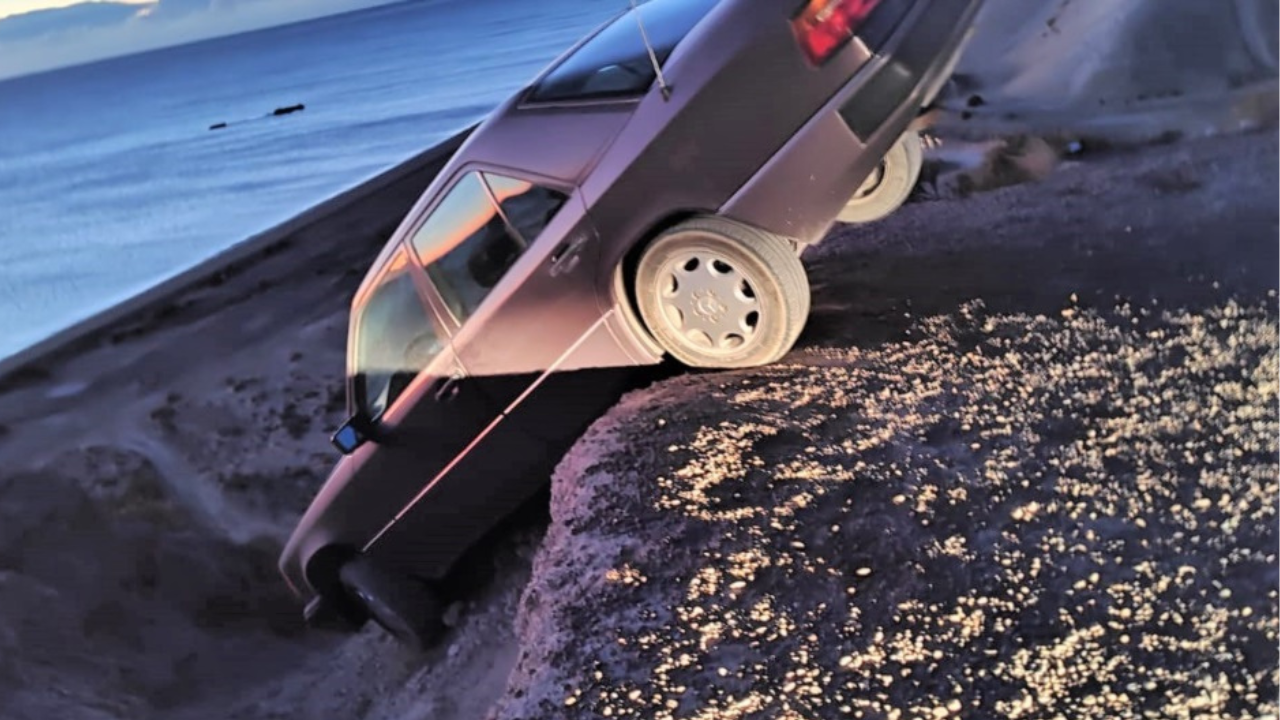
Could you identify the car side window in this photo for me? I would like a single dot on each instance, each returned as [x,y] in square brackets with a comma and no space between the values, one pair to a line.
[528,207]
[394,339]
[466,244]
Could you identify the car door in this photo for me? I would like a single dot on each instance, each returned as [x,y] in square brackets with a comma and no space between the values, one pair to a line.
[406,379]
[532,333]
[508,265]
[466,251]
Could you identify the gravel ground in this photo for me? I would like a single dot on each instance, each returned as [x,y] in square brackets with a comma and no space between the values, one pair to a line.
[1052,497]
[1013,516]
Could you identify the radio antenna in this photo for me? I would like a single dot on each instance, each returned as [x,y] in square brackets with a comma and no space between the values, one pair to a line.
[653,56]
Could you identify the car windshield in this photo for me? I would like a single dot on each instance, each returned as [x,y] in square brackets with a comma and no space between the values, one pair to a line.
[615,63]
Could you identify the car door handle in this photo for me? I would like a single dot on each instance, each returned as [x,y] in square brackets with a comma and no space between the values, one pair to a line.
[566,255]
[447,389]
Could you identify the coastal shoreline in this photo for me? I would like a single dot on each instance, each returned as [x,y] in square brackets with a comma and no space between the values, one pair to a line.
[405,178]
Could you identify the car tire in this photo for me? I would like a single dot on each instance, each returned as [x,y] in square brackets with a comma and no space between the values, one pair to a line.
[890,184]
[716,293]
[407,608]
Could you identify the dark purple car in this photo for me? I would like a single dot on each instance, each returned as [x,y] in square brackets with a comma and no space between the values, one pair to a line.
[647,195]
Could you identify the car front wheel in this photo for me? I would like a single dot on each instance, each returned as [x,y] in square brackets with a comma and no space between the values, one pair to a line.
[890,184]
[407,608]
[718,294]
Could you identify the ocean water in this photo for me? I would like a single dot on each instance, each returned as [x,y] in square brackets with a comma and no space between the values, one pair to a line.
[111,181]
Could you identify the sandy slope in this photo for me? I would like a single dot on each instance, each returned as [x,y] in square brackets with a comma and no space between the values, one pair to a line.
[1138,69]
[150,471]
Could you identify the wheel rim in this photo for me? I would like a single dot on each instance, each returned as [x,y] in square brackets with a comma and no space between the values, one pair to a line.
[709,302]
[872,182]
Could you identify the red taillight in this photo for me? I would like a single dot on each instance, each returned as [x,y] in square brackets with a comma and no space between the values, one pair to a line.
[824,26]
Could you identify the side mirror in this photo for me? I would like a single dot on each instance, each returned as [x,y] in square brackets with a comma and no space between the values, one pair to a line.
[350,436]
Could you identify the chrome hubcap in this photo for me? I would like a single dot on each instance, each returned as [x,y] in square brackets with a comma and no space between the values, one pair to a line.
[709,302]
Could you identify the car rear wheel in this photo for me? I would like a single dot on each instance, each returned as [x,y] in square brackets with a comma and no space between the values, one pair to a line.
[407,608]
[889,185]
[718,294]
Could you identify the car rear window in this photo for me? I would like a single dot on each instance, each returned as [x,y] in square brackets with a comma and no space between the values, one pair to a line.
[615,62]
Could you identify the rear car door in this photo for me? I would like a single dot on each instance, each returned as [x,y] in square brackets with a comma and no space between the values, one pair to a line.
[532,329]
[472,259]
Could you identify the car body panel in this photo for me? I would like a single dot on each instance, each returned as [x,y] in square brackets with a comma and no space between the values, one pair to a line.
[486,480]
[748,129]
[815,164]
[375,483]
[551,279]
[577,135]
[546,322]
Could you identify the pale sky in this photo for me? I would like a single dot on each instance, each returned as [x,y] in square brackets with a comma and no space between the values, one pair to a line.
[163,23]
[17,7]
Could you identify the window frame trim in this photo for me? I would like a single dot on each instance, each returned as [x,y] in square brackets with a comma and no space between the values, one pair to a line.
[526,104]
